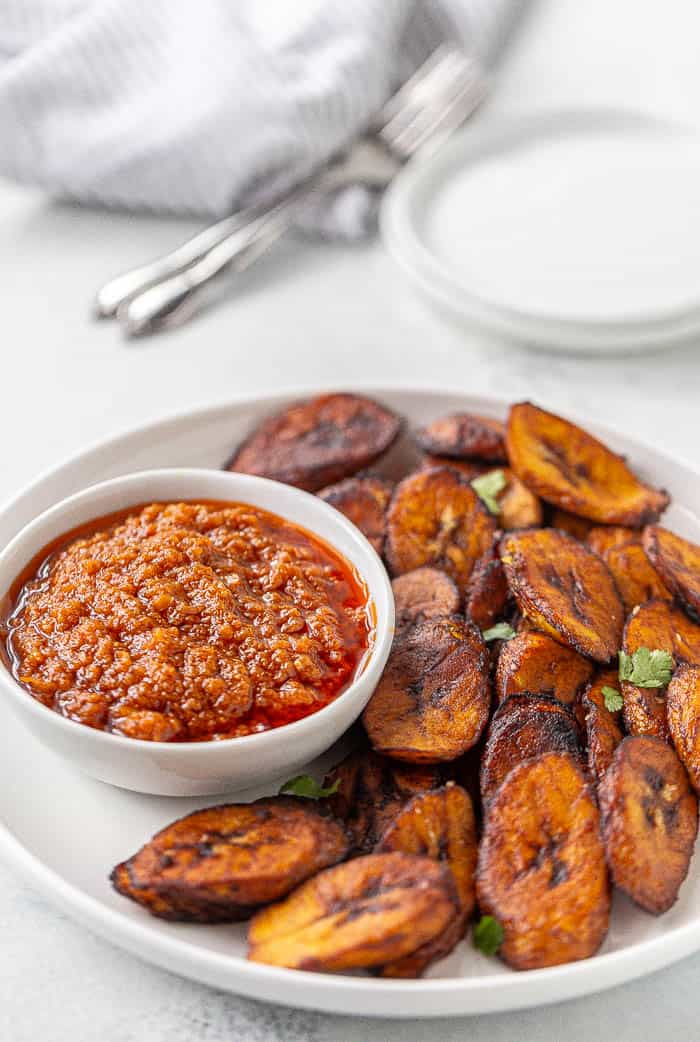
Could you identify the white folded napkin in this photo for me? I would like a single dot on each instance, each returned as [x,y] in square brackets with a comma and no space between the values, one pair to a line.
[195,106]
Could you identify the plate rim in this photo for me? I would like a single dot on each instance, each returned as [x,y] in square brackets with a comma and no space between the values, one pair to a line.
[317,991]
[406,245]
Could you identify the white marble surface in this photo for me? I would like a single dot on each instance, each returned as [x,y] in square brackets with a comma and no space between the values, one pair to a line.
[326,317]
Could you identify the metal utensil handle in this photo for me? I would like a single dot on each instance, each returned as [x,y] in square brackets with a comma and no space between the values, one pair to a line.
[118,290]
[171,301]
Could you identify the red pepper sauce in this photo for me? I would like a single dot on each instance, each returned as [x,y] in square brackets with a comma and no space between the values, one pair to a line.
[189,621]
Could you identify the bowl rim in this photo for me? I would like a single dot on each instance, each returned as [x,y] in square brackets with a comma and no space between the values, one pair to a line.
[378,588]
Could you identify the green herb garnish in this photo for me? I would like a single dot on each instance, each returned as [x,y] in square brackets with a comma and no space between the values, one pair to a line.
[646,668]
[487,487]
[501,631]
[613,699]
[306,786]
[488,935]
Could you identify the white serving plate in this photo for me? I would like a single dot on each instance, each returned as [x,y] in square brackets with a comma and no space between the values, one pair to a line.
[63,832]
[562,230]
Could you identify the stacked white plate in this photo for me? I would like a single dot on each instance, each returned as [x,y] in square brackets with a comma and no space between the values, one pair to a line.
[574,231]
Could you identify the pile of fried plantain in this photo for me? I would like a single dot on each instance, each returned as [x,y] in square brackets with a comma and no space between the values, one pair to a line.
[506,769]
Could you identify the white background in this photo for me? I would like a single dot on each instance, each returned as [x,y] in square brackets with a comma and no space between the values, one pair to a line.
[330,317]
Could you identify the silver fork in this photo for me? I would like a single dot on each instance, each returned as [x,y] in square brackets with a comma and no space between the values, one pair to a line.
[430,105]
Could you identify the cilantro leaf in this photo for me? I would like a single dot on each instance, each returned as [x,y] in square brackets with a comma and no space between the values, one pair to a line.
[305,785]
[487,487]
[646,668]
[612,698]
[488,935]
[501,631]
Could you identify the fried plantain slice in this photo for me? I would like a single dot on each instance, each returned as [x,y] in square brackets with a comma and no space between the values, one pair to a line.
[541,870]
[464,436]
[650,820]
[439,825]
[656,625]
[424,593]
[364,501]
[518,507]
[574,471]
[318,441]
[578,527]
[683,716]
[362,914]
[487,590]
[565,589]
[436,518]
[536,663]
[523,727]
[602,538]
[220,864]
[677,561]
[636,580]
[432,701]
[372,790]
[603,727]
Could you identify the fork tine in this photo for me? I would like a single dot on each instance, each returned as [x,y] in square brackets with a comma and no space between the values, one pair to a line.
[437,111]
[432,79]
[443,120]
[398,101]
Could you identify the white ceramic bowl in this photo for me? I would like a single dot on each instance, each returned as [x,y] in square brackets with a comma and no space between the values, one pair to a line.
[201,768]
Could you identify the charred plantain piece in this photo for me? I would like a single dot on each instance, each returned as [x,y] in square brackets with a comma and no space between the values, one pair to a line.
[603,727]
[602,538]
[541,870]
[678,563]
[636,580]
[364,502]
[578,527]
[650,821]
[683,715]
[436,518]
[372,790]
[487,590]
[536,663]
[220,864]
[661,626]
[574,471]
[465,436]
[565,589]
[319,441]
[523,727]
[432,702]
[439,825]
[362,914]
[424,593]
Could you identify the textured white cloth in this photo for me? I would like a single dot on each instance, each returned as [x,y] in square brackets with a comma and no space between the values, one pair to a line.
[193,106]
